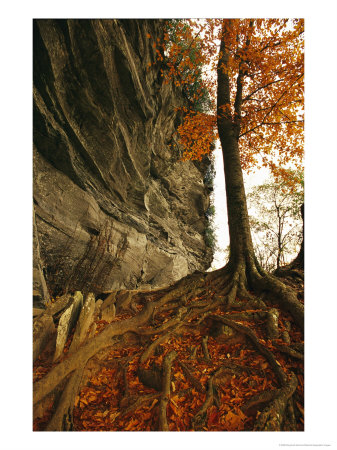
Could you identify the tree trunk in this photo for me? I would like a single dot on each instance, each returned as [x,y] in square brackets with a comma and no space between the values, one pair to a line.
[241,246]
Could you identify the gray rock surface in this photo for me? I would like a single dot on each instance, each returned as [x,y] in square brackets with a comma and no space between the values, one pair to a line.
[98,310]
[67,321]
[108,313]
[84,321]
[114,206]
[108,308]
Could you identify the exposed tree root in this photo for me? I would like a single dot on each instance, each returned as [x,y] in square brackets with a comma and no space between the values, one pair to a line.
[204,348]
[63,416]
[272,417]
[166,388]
[204,354]
[199,419]
[191,378]
[284,296]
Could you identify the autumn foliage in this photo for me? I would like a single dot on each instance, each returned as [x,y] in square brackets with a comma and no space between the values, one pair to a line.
[197,133]
[265,66]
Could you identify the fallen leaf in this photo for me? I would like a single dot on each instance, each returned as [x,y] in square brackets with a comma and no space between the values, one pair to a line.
[233,421]
[213,417]
[131,424]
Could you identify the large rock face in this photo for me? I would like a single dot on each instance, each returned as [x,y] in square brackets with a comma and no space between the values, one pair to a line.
[114,206]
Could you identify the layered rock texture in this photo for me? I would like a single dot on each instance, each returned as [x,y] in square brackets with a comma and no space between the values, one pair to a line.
[114,206]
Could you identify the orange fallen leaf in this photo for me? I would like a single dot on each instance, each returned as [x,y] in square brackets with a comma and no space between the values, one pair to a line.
[146,416]
[234,421]
[131,424]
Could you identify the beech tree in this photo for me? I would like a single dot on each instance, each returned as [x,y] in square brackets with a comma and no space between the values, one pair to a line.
[221,350]
[259,111]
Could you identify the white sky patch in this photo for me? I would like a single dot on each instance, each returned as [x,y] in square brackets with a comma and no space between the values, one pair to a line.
[220,215]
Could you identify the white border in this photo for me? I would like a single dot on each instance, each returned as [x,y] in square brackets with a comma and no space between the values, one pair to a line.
[16,229]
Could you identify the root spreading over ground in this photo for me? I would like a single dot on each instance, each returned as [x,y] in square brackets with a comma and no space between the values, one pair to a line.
[200,355]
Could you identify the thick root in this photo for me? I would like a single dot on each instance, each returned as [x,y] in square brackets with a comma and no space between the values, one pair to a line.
[167,364]
[272,417]
[283,295]
[63,417]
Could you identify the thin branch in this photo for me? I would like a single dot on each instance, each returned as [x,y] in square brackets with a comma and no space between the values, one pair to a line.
[270,46]
[260,100]
[288,232]
[269,123]
[283,93]
[260,88]
[282,123]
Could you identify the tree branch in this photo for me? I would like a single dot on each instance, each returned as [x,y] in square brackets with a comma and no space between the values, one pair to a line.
[267,124]
[260,88]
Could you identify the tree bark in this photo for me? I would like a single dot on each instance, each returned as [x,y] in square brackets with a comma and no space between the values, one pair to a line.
[241,246]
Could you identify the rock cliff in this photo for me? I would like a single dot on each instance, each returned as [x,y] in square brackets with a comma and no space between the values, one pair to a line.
[114,207]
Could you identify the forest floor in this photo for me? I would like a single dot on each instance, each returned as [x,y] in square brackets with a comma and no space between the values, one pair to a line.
[189,363]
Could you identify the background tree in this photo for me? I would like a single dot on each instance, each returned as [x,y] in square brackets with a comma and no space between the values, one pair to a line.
[276,222]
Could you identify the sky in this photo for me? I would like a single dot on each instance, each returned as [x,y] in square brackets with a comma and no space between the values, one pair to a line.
[16,223]
[220,216]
